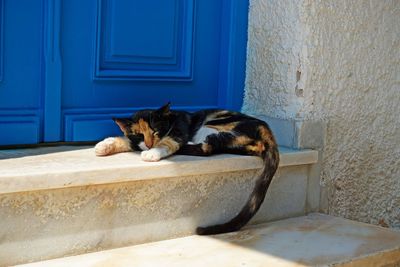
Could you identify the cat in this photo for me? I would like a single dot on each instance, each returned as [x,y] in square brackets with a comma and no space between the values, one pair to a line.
[163,132]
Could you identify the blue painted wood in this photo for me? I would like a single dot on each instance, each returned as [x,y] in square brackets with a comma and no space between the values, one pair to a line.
[1,38]
[90,60]
[157,45]
[52,72]
[233,54]
[20,126]
[20,89]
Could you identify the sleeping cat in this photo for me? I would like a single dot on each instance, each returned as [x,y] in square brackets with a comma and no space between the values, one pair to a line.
[163,132]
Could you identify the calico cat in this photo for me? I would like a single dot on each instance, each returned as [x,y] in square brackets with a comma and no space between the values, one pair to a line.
[163,132]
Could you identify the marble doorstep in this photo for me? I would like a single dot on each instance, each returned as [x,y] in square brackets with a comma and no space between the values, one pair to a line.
[313,240]
[69,166]
[65,201]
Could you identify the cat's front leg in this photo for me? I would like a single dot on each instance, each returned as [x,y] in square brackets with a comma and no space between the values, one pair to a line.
[166,147]
[112,145]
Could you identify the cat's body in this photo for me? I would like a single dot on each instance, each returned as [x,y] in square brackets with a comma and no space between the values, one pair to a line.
[163,132]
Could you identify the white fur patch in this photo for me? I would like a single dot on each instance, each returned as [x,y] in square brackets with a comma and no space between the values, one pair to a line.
[202,134]
[105,147]
[154,154]
[143,146]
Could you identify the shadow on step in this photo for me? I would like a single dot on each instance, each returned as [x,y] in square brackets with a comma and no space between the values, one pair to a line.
[12,152]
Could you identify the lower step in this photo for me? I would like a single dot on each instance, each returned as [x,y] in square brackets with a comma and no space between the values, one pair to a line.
[314,240]
[61,202]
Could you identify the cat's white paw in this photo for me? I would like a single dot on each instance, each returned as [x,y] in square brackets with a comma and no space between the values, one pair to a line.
[154,154]
[105,147]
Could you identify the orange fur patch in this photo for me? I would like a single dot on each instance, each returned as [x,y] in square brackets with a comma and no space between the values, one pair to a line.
[169,143]
[242,140]
[121,145]
[206,148]
[219,115]
[147,132]
[224,127]
[258,148]
[135,128]
[266,135]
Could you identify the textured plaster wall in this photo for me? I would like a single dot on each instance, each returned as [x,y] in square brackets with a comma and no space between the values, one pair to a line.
[275,58]
[337,62]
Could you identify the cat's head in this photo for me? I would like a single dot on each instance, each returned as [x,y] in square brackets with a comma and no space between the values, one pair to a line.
[148,125]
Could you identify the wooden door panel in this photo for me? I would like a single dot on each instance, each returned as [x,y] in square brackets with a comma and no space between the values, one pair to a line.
[144,40]
[20,71]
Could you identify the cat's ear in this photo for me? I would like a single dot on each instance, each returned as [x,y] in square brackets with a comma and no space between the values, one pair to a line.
[123,123]
[164,110]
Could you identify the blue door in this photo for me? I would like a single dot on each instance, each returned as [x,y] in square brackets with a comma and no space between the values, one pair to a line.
[96,59]
[21,113]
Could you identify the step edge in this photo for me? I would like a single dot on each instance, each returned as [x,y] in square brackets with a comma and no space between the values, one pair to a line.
[373,259]
[370,259]
[126,173]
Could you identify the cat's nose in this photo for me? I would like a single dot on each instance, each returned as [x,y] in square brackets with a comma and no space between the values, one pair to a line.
[148,143]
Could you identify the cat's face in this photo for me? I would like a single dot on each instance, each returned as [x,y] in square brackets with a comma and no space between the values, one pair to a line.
[147,126]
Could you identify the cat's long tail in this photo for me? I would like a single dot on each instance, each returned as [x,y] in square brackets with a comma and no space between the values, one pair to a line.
[271,162]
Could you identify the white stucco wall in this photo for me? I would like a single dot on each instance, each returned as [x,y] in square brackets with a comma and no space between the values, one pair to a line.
[275,55]
[348,54]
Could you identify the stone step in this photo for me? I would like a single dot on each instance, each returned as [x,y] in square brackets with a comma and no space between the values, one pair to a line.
[60,201]
[313,240]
